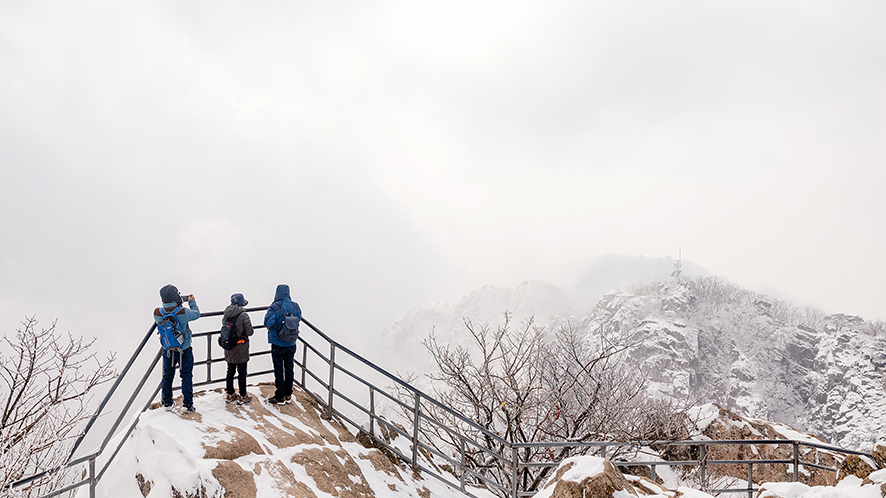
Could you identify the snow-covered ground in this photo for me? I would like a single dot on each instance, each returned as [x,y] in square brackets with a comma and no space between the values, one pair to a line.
[850,487]
[258,450]
[255,450]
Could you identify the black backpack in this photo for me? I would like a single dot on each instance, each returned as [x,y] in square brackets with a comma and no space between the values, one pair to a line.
[289,328]
[227,337]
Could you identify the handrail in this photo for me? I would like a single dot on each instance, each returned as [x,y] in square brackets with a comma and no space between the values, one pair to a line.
[507,456]
[407,386]
[691,442]
[112,390]
[514,461]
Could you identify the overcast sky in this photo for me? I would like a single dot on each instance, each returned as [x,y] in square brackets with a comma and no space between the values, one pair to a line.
[381,155]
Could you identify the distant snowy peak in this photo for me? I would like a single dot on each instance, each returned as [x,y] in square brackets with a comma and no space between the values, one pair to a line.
[546,303]
[613,272]
[543,302]
[703,339]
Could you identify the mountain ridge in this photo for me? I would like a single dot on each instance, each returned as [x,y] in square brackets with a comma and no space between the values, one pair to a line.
[702,338]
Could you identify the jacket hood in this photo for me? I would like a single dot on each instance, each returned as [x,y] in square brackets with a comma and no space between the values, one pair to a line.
[282,293]
[232,310]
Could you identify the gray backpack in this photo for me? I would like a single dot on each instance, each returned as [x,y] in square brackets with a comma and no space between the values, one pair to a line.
[289,328]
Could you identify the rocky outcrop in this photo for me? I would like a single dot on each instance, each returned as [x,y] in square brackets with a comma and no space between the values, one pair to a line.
[256,450]
[235,480]
[854,465]
[728,425]
[593,477]
[879,454]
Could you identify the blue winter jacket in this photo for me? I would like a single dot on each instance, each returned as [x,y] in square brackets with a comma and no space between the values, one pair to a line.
[185,316]
[273,318]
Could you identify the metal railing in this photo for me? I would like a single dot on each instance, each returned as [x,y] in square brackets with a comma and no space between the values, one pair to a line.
[342,370]
[702,462]
[508,453]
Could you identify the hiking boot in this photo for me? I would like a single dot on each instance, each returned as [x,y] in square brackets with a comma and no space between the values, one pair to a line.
[242,400]
[189,409]
[274,400]
[169,407]
[232,398]
[287,399]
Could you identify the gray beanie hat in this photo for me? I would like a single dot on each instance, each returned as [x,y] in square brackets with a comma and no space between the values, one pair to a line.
[169,294]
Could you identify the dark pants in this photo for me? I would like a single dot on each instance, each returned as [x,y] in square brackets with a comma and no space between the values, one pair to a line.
[170,360]
[283,358]
[240,370]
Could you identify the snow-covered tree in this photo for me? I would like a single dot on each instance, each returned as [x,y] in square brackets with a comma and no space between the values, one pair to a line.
[45,382]
[526,384]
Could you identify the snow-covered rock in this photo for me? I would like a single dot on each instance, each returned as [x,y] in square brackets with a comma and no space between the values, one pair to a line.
[595,477]
[850,487]
[588,476]
[716,423]
[256,450]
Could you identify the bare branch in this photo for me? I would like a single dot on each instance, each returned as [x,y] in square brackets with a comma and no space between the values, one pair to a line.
[44,395]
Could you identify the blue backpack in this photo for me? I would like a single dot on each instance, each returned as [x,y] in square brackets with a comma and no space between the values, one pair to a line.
[171,335]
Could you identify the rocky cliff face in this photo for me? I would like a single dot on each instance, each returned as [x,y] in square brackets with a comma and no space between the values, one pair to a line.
[707,341]
[712,341]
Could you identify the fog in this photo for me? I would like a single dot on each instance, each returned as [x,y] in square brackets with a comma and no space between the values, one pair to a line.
[379,156]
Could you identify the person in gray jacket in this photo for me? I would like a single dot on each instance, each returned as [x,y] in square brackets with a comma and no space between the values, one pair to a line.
[238,356]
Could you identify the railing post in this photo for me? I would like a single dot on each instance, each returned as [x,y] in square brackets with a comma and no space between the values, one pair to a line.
[371,411]
[304,365]
[702,466]
[209,358]
[515,457]
[750,480]
[331,378]
[464,471]
[416,415]
[796,461]
[603,451]
[92,482]
[652,472]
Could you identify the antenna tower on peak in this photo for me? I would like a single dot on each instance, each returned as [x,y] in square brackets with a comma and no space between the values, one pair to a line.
[678,266]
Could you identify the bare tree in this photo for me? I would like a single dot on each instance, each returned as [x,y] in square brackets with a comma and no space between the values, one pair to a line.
[530,385]
[44,393]
[501,392]
[813,318]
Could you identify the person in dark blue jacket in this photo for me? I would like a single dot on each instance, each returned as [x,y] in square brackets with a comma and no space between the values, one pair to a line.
[172,302]
[282,353]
